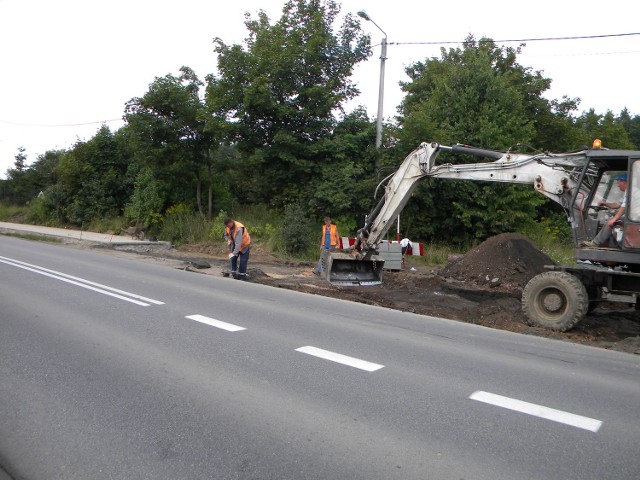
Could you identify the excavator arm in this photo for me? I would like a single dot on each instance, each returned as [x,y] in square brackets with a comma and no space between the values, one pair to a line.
[554,176]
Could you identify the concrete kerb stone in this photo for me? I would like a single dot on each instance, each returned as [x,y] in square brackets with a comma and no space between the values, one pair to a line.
[117,242]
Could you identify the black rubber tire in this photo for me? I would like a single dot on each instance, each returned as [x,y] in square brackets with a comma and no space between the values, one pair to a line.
[555,300]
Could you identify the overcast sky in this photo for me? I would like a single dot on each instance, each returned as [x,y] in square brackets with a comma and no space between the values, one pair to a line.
[68,65]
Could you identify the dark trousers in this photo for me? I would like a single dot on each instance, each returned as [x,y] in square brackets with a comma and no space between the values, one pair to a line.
[239,265]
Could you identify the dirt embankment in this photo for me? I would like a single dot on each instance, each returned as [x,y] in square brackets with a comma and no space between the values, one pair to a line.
[482,287]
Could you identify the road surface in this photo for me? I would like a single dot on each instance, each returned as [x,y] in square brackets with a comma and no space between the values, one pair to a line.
[112,368]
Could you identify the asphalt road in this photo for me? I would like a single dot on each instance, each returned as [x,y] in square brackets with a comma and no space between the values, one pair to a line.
[114,368]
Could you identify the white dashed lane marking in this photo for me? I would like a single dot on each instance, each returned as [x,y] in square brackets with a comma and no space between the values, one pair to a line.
[339,358]
[540,411]
[229,327]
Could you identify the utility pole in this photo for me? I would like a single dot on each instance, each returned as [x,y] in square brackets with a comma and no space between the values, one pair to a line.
[383,57]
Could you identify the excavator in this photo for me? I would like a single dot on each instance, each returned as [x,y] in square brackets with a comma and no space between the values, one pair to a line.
[583,183]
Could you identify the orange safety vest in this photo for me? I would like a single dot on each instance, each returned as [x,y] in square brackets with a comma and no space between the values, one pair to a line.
[246,239]
[335,240]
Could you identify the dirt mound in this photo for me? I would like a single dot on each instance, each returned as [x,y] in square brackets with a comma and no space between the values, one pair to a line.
[507,261]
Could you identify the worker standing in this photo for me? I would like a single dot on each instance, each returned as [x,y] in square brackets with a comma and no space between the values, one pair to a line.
[329,242]
[239,241]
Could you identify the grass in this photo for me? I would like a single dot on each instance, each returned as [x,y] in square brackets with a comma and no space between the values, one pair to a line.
[554,242]
[12,213]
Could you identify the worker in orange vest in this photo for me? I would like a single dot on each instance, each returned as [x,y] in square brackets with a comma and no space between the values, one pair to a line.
[239,241]
[329,242]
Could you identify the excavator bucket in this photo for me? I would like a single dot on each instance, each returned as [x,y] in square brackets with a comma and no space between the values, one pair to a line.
[344,269]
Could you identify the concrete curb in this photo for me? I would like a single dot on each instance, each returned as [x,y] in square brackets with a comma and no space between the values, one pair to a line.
[116,242]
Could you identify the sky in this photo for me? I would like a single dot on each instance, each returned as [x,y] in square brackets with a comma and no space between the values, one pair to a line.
[67,66]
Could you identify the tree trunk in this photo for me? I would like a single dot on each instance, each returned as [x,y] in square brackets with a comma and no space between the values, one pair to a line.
[199,196]
[210,204]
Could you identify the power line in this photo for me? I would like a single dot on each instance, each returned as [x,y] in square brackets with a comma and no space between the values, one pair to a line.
[61,125]
[544,39]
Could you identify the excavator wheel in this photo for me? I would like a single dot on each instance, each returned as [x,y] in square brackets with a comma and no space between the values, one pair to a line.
[555,300]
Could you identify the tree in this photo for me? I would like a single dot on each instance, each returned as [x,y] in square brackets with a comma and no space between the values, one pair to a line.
[277,97]
[20,160]
[606,127]
[92,179]
[167,131]
[631,126]
[479,95]
[16,187]
[346,181]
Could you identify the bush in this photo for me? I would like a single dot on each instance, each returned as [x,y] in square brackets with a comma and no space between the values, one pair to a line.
[181,225]
[38,212]
[216,232]
[146,200]
[295,230]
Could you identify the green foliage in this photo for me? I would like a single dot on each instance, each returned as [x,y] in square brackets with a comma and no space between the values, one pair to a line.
[346,179]
[181,225]
[107,225]
[295,229]
[24,182]
[39,213]
[261,221]
[471,95]
[347,226]
[277,96]
[92,180]
[437,253]
[11,213]
[478,95]
[216,231]
[166,128]
[552,235]
[606,127]
[146,200]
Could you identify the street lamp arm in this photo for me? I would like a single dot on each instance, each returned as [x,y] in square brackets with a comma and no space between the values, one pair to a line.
[365,15]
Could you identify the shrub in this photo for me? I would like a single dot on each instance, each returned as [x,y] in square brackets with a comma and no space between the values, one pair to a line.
[181,225]
[295,230]
[216,232]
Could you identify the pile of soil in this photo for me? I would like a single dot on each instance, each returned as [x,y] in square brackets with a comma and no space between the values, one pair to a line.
[507,261]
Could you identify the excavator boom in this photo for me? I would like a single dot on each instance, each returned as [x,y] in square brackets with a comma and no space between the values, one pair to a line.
[555,176]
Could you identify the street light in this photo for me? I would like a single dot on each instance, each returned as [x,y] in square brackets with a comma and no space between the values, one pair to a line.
[383,57]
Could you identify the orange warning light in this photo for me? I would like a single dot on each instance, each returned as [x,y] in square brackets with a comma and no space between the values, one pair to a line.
[597,143]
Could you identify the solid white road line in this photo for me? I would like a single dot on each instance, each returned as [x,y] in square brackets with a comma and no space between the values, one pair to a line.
[216,323]
[559,416]
[339,358]
[80,282]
